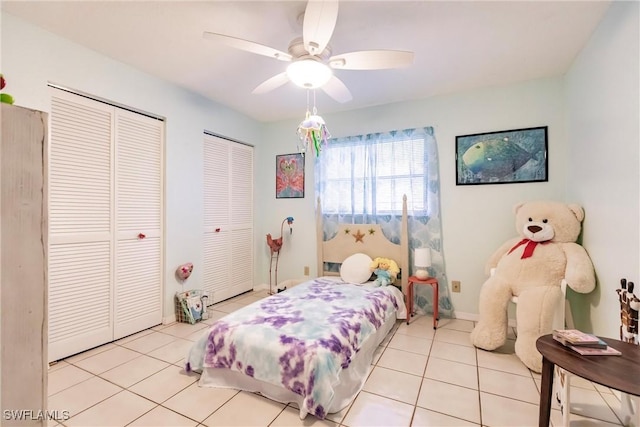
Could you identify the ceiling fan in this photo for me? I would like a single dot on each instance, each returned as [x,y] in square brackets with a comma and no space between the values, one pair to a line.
[310,55]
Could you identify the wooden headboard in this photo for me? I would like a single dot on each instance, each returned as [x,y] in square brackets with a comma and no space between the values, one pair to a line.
[363,238]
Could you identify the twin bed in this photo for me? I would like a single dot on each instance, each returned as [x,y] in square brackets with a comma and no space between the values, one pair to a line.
[314,343]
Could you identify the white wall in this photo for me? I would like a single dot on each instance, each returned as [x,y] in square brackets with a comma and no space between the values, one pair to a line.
[603,120]
[32,57]
[476,219]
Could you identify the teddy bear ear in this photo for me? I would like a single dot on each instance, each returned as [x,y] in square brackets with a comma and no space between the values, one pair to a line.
[577,211]
[517,207]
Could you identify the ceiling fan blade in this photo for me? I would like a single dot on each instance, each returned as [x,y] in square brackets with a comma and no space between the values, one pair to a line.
[319,21]
[371,60]
[247,45]
[271,84]
[337,90]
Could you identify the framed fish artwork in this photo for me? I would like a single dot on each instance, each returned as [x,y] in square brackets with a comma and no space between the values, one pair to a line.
[508,156]
[289,176]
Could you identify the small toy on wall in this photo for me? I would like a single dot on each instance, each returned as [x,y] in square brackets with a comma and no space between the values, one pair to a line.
[4,97]
[629,307]
[184,271]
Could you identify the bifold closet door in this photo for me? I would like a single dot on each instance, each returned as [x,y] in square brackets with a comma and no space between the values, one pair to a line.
[228,218]
[105,214]
[241,204]
[80,225]
[138,207]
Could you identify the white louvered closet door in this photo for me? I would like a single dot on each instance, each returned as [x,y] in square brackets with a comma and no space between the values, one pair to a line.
[105,214]
[80,225]
[228,218]
[241,203]
[138,290]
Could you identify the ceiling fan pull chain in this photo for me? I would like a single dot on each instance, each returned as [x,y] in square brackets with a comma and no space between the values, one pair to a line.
[315,111]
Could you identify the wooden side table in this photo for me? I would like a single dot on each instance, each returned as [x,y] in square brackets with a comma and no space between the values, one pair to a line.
[413,280]
[617,372]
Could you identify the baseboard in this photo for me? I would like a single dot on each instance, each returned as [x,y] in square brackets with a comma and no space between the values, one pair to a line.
[466,316]
[290,283]
[169,319]
[474,317]
[260,287]
[285,284]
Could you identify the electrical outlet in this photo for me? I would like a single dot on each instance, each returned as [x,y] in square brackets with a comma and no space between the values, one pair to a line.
[455,285]
[306,270]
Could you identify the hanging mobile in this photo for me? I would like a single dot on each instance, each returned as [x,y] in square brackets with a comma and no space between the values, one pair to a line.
[312,131]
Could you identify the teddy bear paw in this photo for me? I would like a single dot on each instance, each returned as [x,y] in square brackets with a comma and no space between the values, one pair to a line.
[488,338]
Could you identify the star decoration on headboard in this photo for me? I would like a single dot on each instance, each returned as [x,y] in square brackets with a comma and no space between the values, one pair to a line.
[372,231]
[358,236]
[347,230]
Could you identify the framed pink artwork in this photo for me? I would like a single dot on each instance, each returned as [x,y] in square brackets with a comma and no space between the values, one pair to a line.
[289,176]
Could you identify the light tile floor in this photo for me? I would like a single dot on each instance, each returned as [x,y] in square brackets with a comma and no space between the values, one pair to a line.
[420,377]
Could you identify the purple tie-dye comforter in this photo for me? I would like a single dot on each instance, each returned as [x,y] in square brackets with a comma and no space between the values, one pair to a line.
[299,339]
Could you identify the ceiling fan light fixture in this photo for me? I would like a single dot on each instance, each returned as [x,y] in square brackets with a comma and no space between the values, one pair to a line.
[309,73]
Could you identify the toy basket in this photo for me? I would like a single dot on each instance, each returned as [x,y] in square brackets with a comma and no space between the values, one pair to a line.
[189,306]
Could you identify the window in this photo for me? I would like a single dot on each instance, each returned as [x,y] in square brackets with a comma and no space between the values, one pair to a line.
[368,175]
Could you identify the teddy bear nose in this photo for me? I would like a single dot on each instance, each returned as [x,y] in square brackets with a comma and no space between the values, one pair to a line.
[534,228]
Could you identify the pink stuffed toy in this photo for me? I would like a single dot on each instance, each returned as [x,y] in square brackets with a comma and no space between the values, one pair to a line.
[184,271]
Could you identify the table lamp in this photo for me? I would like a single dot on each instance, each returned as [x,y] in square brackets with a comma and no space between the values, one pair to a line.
[422,260]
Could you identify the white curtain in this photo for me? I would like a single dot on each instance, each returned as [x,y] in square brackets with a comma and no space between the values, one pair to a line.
[361,179]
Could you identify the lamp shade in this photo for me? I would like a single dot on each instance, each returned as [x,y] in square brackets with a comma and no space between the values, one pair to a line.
[422,258]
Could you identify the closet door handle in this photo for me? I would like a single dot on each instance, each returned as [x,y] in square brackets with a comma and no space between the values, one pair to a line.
[141,236]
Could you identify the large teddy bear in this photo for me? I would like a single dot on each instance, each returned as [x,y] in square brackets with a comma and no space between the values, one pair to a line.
[532,268]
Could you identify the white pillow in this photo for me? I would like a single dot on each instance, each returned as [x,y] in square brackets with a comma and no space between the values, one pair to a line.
[356,268]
